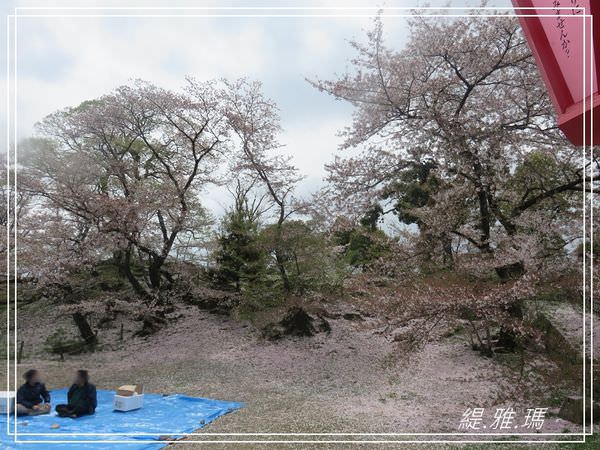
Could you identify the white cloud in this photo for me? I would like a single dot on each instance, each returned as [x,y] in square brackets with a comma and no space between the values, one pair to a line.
[313,142]
[67,60]
[159,50]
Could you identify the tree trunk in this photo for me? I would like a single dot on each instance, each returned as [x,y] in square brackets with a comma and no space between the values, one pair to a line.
[85,330]
[279,261]
[447,246]
[125,269]
[484,223]
[511,271]
[485,219]
[278,258]
[154,272]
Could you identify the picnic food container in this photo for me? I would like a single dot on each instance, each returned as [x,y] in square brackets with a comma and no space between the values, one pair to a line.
[129,398]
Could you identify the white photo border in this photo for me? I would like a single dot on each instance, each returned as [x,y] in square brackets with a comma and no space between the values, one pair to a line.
[12,18]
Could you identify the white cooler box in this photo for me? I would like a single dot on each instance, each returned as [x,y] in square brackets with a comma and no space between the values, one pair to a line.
[128,403]
[7,402]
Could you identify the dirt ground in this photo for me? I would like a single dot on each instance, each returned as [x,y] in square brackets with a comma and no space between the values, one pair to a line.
[353,380]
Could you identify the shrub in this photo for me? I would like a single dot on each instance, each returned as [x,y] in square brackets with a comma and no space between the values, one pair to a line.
[58,343]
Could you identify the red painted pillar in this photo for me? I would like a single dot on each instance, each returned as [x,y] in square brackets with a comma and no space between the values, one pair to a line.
[561,35]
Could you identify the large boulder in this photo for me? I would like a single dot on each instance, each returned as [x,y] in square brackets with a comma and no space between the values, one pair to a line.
[151,324]
[510,271]
[557,346]
[215,301]
[353,316]
[296,322]
[572,410]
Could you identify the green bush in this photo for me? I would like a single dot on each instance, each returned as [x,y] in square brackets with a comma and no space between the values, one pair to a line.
[58,343]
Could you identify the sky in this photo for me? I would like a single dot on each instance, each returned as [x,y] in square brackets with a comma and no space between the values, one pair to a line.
[64,60]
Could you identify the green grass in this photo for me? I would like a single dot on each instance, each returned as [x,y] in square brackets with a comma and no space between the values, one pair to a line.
[591,442]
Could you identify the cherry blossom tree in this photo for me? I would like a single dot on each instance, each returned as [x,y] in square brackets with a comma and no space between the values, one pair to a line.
[131,164]
[131,167]
[463,104]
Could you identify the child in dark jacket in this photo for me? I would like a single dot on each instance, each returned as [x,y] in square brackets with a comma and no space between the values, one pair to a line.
[81,397]
[32,397]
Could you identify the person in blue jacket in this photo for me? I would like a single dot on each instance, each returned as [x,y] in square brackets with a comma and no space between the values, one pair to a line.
[81,397]
[32,397]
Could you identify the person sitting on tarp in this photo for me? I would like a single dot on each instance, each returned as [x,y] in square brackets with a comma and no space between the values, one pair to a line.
[33,398]
[81,397]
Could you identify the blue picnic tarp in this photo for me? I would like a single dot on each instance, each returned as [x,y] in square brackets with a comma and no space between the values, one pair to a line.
[162,415]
